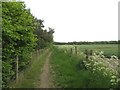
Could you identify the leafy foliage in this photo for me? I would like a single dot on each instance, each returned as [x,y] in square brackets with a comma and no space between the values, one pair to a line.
[45,38]
[18,37]
[22,34]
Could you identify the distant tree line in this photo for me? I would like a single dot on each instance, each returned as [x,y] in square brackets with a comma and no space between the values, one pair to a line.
[86,42]
[22,34]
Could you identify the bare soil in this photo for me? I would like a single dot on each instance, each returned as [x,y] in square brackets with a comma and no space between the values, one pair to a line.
[45,80]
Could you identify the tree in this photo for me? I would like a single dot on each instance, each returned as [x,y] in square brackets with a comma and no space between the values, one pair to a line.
[45,38]
[18,37]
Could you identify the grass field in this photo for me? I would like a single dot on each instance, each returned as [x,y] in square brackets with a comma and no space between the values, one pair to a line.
[109,49]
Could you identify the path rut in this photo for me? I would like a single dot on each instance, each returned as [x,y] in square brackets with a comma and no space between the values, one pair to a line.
[45,77]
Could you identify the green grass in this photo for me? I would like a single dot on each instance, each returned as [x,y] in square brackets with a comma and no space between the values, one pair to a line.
[29,78]
[70,73]
[109,49]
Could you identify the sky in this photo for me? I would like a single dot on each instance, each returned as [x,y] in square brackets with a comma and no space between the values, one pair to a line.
[78,20]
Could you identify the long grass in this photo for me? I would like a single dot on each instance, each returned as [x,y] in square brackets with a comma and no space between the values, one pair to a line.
[29,78]
[69,72]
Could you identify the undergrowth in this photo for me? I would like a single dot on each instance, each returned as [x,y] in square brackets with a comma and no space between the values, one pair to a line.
[69,71]
[28,78]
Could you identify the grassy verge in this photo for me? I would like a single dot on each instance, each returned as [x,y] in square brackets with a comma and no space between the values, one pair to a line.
[69,72]
[29,77]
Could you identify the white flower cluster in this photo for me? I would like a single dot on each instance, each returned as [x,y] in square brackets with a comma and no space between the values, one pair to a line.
[108,67]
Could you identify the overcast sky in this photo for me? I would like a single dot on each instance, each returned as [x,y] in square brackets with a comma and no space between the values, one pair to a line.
[78,20]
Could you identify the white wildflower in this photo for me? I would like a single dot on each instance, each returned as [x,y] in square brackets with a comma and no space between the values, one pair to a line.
[101,53]
[113,77]
[112,80]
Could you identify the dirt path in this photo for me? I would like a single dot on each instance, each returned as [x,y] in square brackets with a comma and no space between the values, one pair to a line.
[45,77]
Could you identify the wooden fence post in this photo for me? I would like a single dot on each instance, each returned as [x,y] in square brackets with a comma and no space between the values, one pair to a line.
[36,53]
[31,55]
[76,50]
[91,52]
[87,54]
[39,51]
[71,50]
[17,68]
